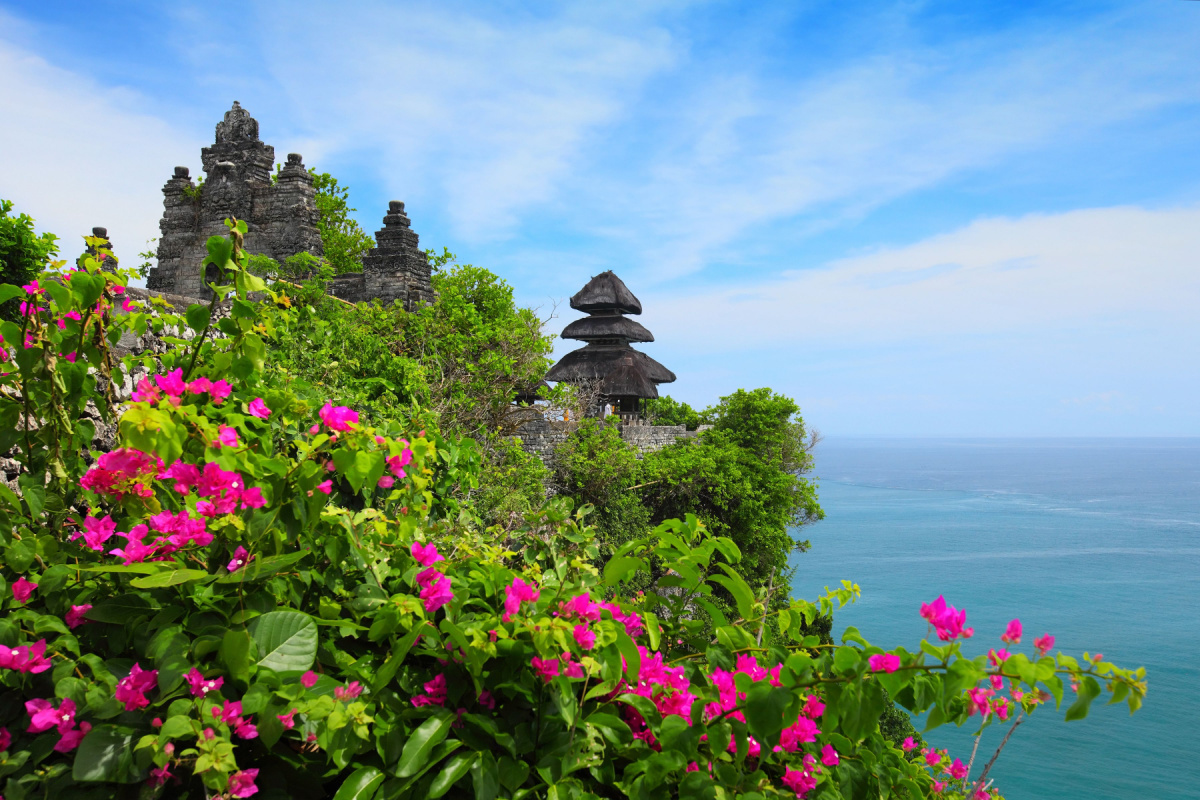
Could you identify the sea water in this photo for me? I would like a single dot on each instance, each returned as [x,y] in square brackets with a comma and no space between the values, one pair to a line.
[1096,541]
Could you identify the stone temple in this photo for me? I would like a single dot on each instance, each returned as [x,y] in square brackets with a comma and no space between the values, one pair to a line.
[281,217]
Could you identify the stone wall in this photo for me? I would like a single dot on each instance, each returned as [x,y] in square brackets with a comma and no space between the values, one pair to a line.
[540,437]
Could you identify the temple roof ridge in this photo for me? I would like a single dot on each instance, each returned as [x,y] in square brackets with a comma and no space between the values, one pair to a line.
[606,292]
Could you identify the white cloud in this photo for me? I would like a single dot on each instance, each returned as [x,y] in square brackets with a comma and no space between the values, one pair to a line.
[1096,267]
[75,154]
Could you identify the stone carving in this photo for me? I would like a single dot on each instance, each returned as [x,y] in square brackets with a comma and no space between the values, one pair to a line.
[395,269]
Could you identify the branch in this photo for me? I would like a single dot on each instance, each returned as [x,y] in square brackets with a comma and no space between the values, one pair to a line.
[983,776]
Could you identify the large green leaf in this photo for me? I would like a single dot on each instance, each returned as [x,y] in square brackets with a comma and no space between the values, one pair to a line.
[106,754]
[455,769]
[422,741]
[361,784]
[168,578]
[287,640]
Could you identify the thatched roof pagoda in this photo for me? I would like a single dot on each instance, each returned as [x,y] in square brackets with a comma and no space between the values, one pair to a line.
[624,377]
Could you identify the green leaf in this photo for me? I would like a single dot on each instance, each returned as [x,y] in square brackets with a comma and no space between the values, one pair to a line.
[455,768]
[743,595]
[652,630]
[106,754]
[220,250]
[764,708]
[621,567]
[119,610]
[259,569]
[197,317]
[486,777]
[422,741]
[361,784]
[287,640]
[1089,690]
[235,654]
[8,292]
[399,650]
[168,578]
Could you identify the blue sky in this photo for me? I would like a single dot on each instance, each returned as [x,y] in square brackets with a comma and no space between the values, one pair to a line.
[915,218]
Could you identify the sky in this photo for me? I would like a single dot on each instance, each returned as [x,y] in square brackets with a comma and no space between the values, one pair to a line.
[915,218]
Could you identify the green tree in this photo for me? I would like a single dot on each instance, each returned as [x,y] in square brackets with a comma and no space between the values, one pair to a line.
[344,240]
[667,410]
[23,253]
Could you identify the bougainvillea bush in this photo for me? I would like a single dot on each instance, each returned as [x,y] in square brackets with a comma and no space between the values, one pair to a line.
[251,596]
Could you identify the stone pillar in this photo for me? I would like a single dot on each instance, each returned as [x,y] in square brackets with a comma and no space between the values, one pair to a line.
[396,268]
[178,238]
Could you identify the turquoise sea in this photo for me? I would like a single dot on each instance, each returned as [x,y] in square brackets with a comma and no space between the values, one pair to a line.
[1094,540]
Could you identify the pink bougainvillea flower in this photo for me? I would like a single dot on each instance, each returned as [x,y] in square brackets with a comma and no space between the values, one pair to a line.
[241,557]
[884,662]
[245,729]
[516,593]
[229,712]
[218,391]
[437,592]
[487,700]
[171,383]
[288,720]
[1012,634]
[185,476]
[957,770]
[385,482]
[582,606]
[933,758]
[435,693]
[547,669]
[201,685]
[800,782]
[75,617]
[338,418]
[1001,707]
[25,658]
[5,739]
[159,775]
[584,636]
[425,554]
[253,498]
[397,463]
[1043,644]
[122,471]
[632,621]
[96,531]
[258,408]
[226,437]
[131,690]
[804,730]
[199,385]
[241,784]
[574,669]
[43,716]
[813,707]
[71,739]
[309,679]
[946,619]
[22,589]
[325,487]
[997,657]
[979,701]
[908,744]
[146,392]
[829,756]
[349,691]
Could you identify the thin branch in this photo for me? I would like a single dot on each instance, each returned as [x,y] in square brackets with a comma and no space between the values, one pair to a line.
[983,776]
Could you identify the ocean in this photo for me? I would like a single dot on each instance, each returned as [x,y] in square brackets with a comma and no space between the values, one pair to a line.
[1096,541]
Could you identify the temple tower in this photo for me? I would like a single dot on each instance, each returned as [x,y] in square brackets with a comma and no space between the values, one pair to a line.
[281,215]
[622,376]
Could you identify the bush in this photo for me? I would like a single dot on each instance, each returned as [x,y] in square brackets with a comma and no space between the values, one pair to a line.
[255,596]
[23,253]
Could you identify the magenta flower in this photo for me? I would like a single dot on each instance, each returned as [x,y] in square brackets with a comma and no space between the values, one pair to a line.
[800,782]
[584,637]
[425,554]
[325,487]
[946,619]
[829,756]
[486,699]
[227,437]
[131,690]
[75,617]
[813,707]
[435,693]
[159,775]
[245,729]
[241,557]
[349,691]
[386,482]
[241,784]
[71,739]
[397,463]
[258,408]
[253,498]
[803,731]
[230,712]
[582,606]
[979,701]
[43,716]
[547,669]
[1012,634]
[515,594]
[884,662]
[25,658]
[1043,644]
[338,418]
[96,531]
[201,685]
[908,744]
[288,720]
[219,391]
[957,770]
[309,679]
[933,758]
[436,592]
[171,383]
[575,669]
[22,589]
